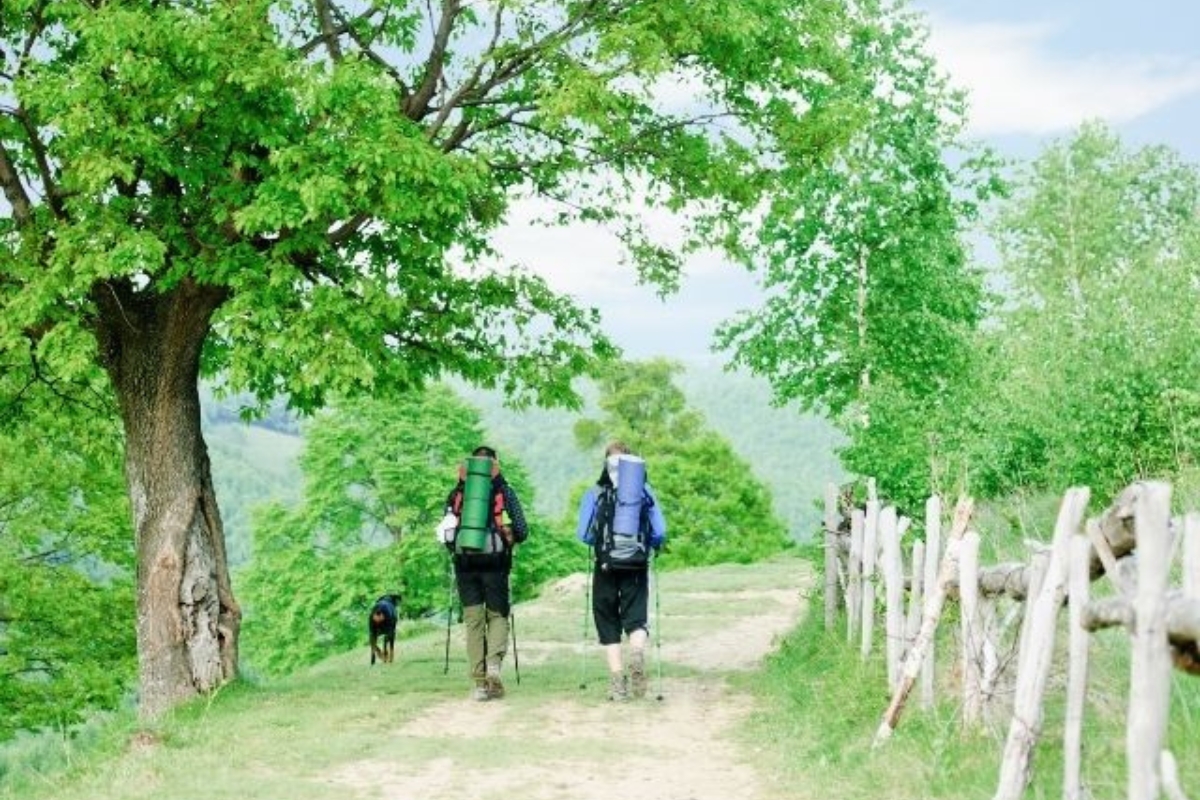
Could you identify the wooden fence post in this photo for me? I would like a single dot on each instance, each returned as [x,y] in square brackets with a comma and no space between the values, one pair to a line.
[855,583]
[893,589]
[1036,649]
[832,518]
[1079,590]
[1150,670]
[870,550]
[933,555]
[916,595]
[971,634]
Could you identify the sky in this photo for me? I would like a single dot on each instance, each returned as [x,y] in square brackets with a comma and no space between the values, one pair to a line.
[1033,70]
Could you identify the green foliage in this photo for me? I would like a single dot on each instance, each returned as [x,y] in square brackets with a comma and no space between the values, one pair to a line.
[66,566]
[320,175]
[296,203]
[376,476]
[871,302]
[870,279]
[716,510]
[1094,375]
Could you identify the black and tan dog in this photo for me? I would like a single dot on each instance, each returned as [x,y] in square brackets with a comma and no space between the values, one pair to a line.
[382,623]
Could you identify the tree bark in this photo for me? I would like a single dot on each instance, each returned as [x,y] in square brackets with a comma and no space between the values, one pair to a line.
[187,619]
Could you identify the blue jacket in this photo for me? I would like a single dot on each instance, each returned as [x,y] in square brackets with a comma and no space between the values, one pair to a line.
[587,509]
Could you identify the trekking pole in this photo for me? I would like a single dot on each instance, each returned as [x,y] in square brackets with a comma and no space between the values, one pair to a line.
[512,622]
[657,629]
[449,617]
[587,602]
[512,626]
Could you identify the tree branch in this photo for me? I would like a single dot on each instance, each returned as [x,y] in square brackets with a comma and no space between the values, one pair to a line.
[329,34]
[417,105]
[14,191]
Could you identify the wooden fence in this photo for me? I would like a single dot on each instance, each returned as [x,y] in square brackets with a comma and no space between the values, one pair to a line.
[1132,544]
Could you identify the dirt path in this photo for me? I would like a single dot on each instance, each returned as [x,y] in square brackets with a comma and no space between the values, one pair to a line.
[551,745]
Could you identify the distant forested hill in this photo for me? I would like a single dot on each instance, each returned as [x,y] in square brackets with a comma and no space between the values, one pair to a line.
[790,452]
[793,453]
[252,464]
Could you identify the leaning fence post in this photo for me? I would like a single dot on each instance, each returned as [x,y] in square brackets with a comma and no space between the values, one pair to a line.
[935,599]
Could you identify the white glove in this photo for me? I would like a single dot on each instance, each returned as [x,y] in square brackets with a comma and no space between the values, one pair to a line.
[446,528]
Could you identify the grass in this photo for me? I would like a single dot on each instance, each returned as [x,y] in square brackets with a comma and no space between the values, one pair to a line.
[818,707]
[823,703]
[281,738]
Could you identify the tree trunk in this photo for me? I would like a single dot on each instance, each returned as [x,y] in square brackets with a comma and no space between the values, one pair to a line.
[187,618]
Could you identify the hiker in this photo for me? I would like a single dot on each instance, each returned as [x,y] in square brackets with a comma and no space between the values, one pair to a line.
[483,524]
[622,525]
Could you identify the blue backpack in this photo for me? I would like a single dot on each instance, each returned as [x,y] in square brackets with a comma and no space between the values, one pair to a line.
[620,551]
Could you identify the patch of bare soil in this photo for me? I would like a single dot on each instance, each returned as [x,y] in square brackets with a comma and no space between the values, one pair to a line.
[565,748]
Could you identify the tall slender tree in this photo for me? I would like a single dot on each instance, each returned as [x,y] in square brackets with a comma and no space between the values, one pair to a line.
[871,281]
[269,192]
[1095,375]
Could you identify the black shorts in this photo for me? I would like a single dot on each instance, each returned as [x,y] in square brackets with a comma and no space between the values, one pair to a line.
[619,601]
[486,588]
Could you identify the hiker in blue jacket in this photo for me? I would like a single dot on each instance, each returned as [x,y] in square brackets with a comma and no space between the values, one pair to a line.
[620,574]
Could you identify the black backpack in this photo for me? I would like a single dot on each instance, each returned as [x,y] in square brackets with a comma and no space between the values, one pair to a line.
[614,551]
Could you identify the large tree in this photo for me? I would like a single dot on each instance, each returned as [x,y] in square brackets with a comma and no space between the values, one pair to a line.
[871,298]
[270,192]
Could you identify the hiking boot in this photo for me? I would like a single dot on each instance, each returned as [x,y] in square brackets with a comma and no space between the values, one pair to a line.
[495,688]
[617,691]
[637,674]
[481,692]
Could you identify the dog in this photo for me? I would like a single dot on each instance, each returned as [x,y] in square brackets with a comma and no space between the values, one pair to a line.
[382,623]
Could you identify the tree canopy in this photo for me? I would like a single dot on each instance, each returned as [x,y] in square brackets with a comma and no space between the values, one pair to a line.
[295,198]
[66,565]
[1092,374]
[872,298]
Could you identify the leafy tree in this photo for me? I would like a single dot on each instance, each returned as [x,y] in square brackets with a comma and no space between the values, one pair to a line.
[1096,366]
[66,562]
[870,284]
[376,475]
[268,192]
[717,511]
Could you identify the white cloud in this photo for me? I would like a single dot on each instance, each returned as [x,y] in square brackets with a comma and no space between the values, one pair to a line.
[1017,87]
[585,262]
